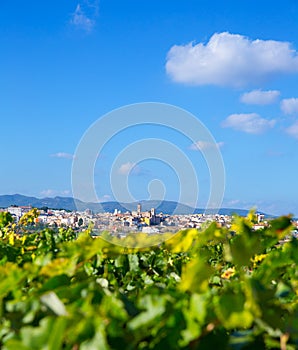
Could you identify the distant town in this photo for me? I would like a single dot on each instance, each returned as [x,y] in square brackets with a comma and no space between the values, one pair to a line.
[120,224]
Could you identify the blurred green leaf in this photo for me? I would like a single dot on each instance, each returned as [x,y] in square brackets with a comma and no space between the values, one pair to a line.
[195,276]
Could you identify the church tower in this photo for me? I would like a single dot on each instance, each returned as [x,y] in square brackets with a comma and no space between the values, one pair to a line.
[139,209]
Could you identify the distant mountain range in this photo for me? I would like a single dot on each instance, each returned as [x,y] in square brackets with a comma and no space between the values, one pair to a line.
[69,203]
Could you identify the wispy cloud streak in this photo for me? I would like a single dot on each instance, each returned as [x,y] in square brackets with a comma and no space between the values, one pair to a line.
[84,16]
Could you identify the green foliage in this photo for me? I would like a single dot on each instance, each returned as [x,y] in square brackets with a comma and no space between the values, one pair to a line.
[198,290]
[29,218]
[5,219]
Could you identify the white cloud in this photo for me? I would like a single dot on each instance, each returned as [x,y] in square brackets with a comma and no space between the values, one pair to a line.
[84,15]
[205,145]
[250,123]
[128,167]
[289,105]
[233,202]
[134,169]
[62,155]
[259,97]
[293,130]
[48,193]
[230,60]
[52,193]
[105,198]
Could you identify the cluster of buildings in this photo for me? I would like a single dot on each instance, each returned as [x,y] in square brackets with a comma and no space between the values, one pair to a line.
[117,222]
[122,223]
[52,217]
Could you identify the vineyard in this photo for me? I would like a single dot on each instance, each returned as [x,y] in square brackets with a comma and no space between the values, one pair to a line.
[209,289]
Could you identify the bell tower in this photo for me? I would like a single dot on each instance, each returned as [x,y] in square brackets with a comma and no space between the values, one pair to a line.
[139,208]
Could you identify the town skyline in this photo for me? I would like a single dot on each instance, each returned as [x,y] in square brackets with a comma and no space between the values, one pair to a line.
[133,221]
[161,206]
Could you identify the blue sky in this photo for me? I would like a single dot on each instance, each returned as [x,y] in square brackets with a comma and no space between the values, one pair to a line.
[232,64]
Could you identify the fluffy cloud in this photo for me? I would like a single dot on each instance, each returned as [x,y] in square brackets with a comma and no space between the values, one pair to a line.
[230,60]
[250,123]
[205,145]
[105,198]
[134,169]
[84,15]
[52,193]
[293,130]
[128,167]
[258,97]
[62,155]
[289,105]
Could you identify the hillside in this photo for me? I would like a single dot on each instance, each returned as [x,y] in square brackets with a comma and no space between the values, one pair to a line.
[69,203]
